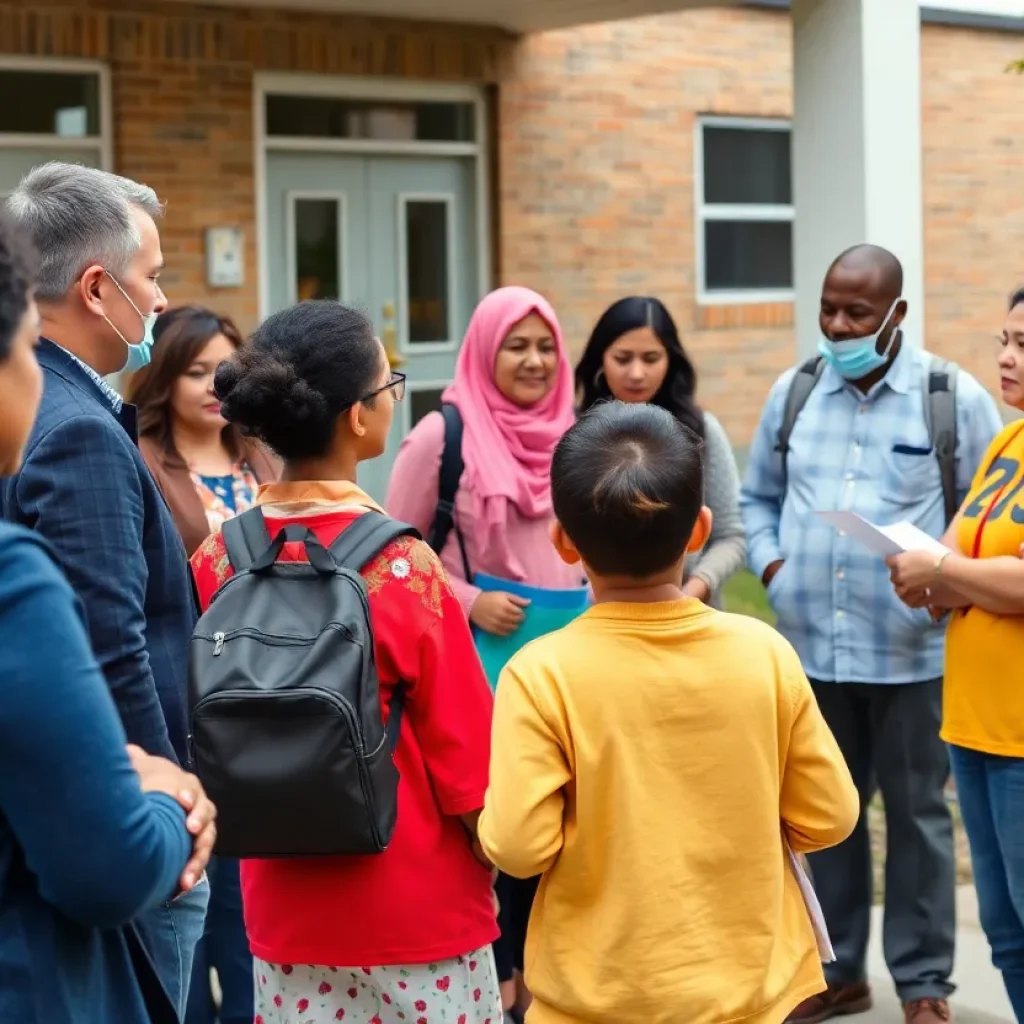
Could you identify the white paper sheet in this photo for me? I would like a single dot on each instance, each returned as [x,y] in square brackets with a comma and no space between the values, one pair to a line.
[883,540]
[821,937]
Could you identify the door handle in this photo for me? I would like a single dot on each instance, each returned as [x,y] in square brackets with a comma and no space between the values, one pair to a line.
[395,358]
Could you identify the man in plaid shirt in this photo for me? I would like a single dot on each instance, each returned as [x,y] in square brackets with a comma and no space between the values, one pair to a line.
[861,443]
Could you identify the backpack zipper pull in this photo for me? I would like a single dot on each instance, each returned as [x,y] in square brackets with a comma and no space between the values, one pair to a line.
[218,645]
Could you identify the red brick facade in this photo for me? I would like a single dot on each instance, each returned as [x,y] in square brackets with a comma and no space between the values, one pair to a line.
[597,152]
[593,169]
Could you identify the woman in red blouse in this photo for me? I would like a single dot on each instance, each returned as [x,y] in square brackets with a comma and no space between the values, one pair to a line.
[403,936]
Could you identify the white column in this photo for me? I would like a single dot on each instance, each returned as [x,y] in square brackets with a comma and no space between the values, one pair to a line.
[856,145]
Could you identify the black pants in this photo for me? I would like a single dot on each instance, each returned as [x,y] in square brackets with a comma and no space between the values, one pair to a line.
[889,735]
[515,901]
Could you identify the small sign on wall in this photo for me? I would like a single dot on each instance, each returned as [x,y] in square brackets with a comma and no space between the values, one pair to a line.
[225,258]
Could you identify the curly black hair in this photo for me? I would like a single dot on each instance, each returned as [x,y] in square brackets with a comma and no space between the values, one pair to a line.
[302,368]
[676,393]
[17,271]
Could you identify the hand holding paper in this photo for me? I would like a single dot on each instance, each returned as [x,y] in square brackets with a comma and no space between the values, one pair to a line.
[885,541]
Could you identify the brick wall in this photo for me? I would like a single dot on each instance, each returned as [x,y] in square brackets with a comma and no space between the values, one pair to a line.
[594,163]
[597,130]
[973,190]
[597,136]
[182,79]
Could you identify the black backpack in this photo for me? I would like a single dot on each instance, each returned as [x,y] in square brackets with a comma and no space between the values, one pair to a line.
[286,731]
[448,478]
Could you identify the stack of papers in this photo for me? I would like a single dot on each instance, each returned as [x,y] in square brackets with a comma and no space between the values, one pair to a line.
[825,950]
[884,540]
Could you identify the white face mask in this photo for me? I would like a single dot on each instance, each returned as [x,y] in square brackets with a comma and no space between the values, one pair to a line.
[140,352]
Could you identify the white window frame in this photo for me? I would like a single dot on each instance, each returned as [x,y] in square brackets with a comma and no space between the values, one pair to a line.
[103,142]
[341,198]
[405,346]
[418,385]
[705,212]
[376,88]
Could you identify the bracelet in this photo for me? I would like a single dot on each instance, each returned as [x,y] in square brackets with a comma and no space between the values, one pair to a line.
[942,559]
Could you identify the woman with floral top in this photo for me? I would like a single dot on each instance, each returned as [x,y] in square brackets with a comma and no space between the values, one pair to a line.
[404,935]
[208,473]
[206,469]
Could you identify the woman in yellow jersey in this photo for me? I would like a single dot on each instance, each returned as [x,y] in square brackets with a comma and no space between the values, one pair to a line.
[980,582]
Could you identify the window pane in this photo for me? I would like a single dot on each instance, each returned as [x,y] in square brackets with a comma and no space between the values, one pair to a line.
[748,255]
[422,401]
[745,165]
[426,247]
[49,103]
[317,256]
[326,118]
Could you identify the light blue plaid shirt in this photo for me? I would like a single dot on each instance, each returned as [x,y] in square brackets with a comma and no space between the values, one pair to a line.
[868,454]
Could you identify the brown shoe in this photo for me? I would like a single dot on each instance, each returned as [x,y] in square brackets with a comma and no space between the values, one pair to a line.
[927,1011]
[837,1001]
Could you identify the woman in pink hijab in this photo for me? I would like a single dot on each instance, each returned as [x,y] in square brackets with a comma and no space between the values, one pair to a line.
[513,389]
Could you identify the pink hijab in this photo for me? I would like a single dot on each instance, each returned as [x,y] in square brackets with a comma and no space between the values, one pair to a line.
[507,449]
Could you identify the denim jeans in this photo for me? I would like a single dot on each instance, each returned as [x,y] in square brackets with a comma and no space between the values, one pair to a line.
[225,948]
[991,794]
[171,933]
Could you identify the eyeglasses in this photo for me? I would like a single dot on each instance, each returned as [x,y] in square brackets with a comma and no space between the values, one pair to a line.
[396,385]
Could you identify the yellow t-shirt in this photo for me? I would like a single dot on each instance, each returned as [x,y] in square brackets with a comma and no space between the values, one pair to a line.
[646,760]
[983,693]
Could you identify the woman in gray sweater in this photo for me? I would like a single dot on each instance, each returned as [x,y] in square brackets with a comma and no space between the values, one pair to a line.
[634,355]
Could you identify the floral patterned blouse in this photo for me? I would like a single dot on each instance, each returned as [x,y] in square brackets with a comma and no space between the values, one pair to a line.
[224,497]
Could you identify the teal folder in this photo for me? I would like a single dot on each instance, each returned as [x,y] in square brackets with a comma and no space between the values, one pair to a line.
[548,611]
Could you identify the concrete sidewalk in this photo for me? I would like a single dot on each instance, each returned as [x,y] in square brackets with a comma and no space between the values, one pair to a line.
[980,997]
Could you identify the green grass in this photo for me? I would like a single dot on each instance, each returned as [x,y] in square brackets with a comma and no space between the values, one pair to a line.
[744,595]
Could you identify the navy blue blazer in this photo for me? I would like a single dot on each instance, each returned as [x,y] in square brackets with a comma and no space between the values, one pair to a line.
[85,488]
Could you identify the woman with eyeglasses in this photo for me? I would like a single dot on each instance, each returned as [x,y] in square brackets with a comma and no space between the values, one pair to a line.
[513,394]
[405,934]
[978,582]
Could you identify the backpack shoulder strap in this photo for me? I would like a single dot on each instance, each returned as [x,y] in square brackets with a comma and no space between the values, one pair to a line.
[355,548]
[800,388]
[246,538]
[361,542]
[940,418]
[448,478]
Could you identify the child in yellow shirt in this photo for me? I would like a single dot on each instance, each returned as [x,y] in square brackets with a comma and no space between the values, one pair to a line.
[650,759]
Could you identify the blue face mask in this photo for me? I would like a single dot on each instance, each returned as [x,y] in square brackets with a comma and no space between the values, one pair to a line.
[856,358]
[141,352]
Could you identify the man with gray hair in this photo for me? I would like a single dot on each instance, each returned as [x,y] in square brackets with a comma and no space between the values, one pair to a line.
[85,488]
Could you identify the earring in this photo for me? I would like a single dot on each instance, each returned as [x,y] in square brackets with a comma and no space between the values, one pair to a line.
[598,376]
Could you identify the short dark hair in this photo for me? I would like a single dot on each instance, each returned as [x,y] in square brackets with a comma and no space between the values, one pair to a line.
[302,368]
[1017,299]
[17,272]
[627,483]
[179,335]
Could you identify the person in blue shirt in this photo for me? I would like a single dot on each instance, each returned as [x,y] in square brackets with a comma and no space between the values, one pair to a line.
[84,486]
[92,832]
[861,443]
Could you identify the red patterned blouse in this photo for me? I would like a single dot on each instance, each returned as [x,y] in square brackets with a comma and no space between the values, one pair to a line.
[426,898]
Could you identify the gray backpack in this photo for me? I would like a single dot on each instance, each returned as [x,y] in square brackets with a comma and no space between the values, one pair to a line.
[939,389]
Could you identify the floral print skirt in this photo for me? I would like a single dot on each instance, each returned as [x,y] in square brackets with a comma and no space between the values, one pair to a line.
[459,991]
